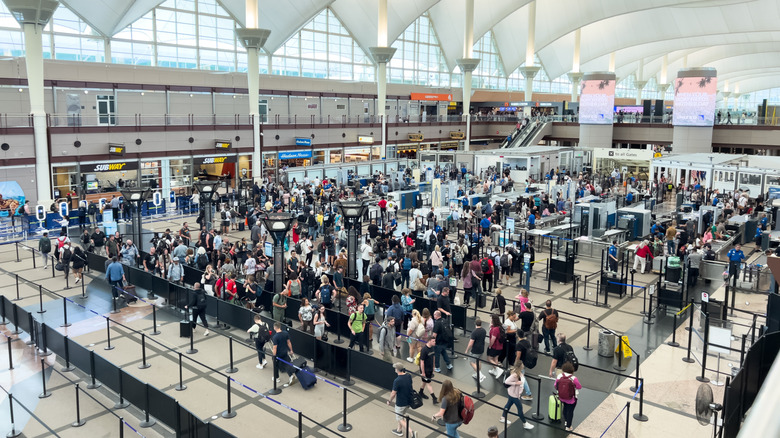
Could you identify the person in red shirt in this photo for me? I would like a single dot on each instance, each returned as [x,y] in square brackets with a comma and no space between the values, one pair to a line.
[383,209]
[487,276]
[495,347]
[230,289]
[642,253]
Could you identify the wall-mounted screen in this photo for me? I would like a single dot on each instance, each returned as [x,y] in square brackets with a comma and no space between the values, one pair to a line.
[694,101]
[597,100]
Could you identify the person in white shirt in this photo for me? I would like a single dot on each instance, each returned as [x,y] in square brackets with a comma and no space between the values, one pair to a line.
[366,251]
[307,250]
[414,274]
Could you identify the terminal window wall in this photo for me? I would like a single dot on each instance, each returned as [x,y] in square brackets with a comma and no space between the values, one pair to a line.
[323,49]
[489,72]
[419,59]
[150,174]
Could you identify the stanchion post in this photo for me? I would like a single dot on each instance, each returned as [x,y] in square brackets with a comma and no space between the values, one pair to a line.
[628,416]
[648,319]
[674,343]
[478,393]
[43,346]
[121,427]
[32,253]
[122,403]
[10,355]
[453,355]
[44,393]
[148,421]
[181,386]
[114,300]
[344,426]
[108,334]
[701,377]
[192,349]
[65,322]
[300,424]
[636,376]
[587,346]
[231,369]
[538,414]
[275,390]
[83,288]
[68,367]
[16,245]
[348,380]
[2,313]
[154,332]
[688,359]
[13,433]
[94,384]
[144,365]
[17,288]
[16,321]
[79,422]
[229,413]
[641,416]
[619,366]
[40,299]
[31,322]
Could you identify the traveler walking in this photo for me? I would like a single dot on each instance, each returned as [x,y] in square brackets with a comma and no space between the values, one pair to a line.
[198,305]
[450,408]
[402,394]
[262,335]
[515,383]
[549,316]
[282,349]
[476,347]
[568,385]
[44,246]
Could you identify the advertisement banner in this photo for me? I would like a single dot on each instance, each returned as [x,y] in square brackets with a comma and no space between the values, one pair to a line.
[694,101]
[11,197]
[597,99]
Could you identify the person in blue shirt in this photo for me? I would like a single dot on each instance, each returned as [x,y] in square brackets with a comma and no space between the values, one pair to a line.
[561,204]
[736,257]
[531,221]
[715,201]
[764,221]
[115,275]
[630,197]
[612,256]
[485,224]
[759,231]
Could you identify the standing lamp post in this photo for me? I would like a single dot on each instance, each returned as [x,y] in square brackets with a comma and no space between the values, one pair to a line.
[278,224]
[136,197]
[208,194]
[352,211]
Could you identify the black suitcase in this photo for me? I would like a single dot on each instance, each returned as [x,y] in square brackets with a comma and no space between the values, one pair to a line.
[673,274]
[481,300]
[534,339]
[185,329]
[241,226]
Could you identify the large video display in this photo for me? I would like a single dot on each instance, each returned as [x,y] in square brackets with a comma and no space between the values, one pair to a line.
[694,101]
[597,100]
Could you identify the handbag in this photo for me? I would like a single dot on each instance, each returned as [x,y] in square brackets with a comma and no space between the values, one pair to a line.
[416,400]
[59,266]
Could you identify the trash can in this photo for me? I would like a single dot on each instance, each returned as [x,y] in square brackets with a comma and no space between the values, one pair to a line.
[606,343]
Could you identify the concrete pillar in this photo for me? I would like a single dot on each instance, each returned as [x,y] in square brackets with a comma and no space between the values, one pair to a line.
[640,85]
[530,49]
[662,79]
[726,95]
[33,16]
[253,40]
[612,62]
[467,65]
[575,78]
[382,55]
[529,73]
[575,63]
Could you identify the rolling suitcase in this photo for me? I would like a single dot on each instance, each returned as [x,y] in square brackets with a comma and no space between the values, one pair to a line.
[534,339]
[554,408]
[305,375]
[481,300]
[241,226]
[185,329]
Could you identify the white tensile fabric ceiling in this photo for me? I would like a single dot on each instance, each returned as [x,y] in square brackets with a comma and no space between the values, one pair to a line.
[738,37]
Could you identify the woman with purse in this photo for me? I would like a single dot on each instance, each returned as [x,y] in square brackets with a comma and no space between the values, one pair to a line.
[320,323]
[407,303]
[415,332]
[209,279]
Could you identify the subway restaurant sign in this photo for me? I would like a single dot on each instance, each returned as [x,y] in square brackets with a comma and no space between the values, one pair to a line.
[216,160]
[111,167]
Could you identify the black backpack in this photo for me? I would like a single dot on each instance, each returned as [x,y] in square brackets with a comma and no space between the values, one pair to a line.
[485,266]
[501,334]
[201,299]
[571,357]
[530,356]
[505,260]
[298,248]
[46,246]
[202,262]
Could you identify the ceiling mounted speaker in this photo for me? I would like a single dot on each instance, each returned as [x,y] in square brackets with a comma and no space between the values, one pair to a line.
[191,140]
[277,136]
[5,146]
[238,138]
[138,141]
[77,144]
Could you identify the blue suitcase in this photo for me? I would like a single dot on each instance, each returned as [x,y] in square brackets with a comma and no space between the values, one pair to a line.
[305,375]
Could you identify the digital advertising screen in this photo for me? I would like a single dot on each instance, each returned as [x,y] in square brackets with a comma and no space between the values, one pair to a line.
[597,100]
[694,101]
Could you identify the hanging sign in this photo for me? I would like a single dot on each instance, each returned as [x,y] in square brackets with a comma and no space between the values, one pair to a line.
[117,149]
[302,141]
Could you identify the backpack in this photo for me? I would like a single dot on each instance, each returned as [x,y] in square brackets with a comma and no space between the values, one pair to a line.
[201,300]
[530,356]
[458,257]
[224,215]
[325,294]
[202,262]
[407,263]
[298,248]
[505,260]
[446,334]
[550,320]
[485,266]
[571,357]
[264,335]
[501,335]
[566,388]
[45,245]
[466,409]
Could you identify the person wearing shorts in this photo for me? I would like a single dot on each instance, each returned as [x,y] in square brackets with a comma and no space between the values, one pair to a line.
[402,394]
[476,347]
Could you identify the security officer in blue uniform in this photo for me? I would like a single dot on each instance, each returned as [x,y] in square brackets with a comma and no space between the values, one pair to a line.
[736,256]
[612,256]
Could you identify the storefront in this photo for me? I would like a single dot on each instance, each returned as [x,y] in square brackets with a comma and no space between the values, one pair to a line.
[363,153]
[104,176]
[216,168]
[295,159]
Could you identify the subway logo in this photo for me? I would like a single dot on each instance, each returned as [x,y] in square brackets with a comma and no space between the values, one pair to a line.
[109,167]
[214,160]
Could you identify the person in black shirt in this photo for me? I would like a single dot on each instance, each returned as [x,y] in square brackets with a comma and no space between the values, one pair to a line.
[373,230]
[526,317]
[150,261]
[402,393]
[99,240]
[443,302]
[559,354]
[282,349]
[521,350]
[477,347]
[443,335]
[426,368]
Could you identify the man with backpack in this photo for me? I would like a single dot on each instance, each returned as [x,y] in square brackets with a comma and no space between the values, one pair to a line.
[357,324]
[549,318]
[443,335]
[262,334]
[406,267]
[486,265]
[387,336]
[44,246]
[528,355]
[506,265]
[562,354]
[198,305]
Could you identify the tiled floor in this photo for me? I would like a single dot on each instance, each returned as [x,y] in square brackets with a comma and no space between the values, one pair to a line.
[670,384]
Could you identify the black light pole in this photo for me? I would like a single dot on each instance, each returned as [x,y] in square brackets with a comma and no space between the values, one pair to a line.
[278,224]
[208,194]
[136,197]
[352,211]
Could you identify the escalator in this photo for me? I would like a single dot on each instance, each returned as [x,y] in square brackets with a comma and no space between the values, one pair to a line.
[531,135]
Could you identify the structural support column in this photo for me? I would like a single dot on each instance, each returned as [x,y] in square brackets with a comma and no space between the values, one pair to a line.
[467,65]
[33,16]
[575,78]
[382,55]
[253,40]
[530,70]
[640,85]
[528,74]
